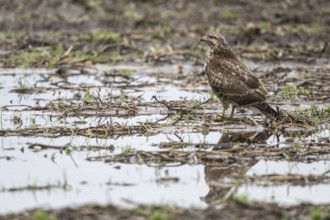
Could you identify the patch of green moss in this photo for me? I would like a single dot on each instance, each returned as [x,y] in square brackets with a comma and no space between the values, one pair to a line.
[291,92]
[127,149]
[40,214]
[327,108]
[154,214]
[227,15]
[244,199]
[159,215]
[101,36]
[49,56]
[317,116]
[26,58]
[264,25]
[285,216]
[318,214]
[213,96]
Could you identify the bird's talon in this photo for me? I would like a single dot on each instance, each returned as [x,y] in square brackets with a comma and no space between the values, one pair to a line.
[218,118]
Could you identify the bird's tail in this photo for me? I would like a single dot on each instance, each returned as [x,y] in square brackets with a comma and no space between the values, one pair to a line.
[267,110]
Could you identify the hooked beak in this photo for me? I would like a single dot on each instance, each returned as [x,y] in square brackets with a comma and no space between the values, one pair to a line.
[207,40]
[204,38]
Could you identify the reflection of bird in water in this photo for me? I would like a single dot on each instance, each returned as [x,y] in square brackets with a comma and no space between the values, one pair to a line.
[247,138]
[215,173]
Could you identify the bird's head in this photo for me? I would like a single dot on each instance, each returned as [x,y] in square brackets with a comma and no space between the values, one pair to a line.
[214,40]
[218,44]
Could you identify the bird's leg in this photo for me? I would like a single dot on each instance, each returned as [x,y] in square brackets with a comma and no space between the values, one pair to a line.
[222,116]
[232,111]
[225,105]
[223,112]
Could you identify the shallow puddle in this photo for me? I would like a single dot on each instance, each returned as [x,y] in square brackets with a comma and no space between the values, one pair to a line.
[73,180]
[57,148]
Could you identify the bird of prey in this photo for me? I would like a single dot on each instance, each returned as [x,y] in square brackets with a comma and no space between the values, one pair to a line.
[232,81]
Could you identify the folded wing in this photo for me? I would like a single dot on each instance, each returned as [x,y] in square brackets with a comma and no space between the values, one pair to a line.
[236,82]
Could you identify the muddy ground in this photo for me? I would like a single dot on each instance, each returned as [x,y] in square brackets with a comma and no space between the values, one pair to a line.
[107,89]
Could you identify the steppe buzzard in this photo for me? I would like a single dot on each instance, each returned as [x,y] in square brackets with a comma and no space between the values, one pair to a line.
[231,80]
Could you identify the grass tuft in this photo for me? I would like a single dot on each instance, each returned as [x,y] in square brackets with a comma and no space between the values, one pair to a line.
[42,215]
[227,15]
[264,25]
[102,36]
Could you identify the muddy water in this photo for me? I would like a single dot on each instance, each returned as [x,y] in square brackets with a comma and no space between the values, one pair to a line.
[42,167]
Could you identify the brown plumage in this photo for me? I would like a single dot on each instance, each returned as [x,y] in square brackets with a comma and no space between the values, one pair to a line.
[231,80]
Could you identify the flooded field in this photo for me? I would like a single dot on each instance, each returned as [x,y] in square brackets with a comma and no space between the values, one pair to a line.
[106,111]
